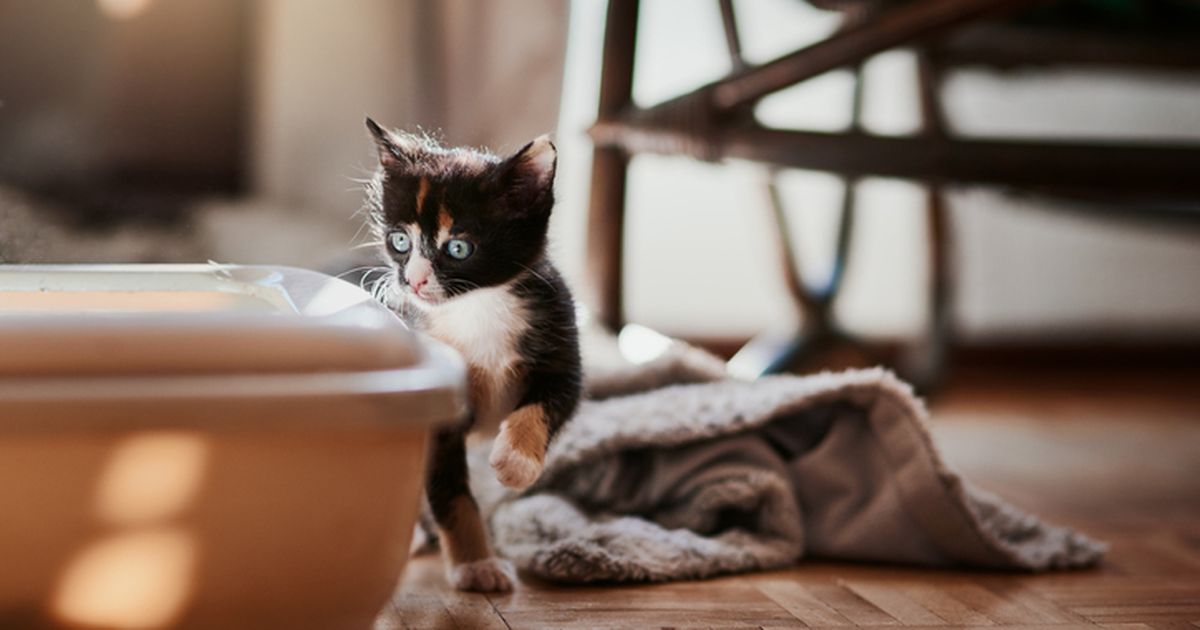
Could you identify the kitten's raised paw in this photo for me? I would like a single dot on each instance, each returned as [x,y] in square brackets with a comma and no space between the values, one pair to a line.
[514,469]
[490,575]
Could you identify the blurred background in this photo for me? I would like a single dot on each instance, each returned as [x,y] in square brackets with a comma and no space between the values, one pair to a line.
[231,130]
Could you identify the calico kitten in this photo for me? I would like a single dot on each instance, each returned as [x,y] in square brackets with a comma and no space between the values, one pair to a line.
[465,232]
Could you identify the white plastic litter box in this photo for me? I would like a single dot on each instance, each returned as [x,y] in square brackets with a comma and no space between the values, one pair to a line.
[208,446]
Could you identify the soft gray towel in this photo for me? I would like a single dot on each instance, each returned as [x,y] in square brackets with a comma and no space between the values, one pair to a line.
[719,476]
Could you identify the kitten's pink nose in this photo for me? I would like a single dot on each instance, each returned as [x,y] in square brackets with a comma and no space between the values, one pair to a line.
[417,272]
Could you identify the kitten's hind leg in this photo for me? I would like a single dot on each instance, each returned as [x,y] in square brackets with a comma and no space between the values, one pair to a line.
[471,565]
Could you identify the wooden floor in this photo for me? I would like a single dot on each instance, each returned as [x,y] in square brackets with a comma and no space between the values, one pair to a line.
[1116,457]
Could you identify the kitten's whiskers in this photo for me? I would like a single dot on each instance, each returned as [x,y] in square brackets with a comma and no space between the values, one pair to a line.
[357,269]
[536,274]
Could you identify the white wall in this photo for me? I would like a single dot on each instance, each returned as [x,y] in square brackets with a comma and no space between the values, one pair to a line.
[318,72]
[477,74]
[697,243]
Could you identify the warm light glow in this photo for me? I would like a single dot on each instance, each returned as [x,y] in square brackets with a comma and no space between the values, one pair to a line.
[123,9]
[150,477]
[129,302]
[756,356]
[639,344]
[133,580]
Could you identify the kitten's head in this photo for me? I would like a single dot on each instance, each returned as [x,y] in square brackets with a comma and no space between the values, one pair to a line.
[453,220]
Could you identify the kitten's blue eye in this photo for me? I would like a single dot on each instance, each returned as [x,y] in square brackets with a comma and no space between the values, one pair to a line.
[400,242]
[458,248]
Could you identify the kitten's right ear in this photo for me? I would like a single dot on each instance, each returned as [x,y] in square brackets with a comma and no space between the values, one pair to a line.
[393,149]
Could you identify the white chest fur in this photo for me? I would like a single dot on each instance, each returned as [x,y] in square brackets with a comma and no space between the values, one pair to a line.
[484,325]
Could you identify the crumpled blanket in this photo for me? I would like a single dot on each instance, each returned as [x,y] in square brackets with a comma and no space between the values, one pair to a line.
[673,471]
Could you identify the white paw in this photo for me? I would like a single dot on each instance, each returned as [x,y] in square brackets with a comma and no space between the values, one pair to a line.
[514,468]
[490,575]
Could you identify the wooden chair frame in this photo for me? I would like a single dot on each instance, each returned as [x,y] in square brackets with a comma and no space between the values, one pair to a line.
[716,121]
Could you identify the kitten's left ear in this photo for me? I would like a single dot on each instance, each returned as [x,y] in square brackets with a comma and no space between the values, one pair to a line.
[394,149]
[528,176]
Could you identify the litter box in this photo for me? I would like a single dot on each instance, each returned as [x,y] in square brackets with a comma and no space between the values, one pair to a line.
[208,446]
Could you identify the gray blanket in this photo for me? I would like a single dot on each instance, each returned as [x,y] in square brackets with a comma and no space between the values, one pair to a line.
[673,471]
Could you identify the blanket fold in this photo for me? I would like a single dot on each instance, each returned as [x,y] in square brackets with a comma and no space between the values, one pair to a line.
[716,475]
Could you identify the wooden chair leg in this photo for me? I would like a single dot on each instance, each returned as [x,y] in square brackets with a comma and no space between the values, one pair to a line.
[605,233]
[606,212]
[928,363]
[770,352]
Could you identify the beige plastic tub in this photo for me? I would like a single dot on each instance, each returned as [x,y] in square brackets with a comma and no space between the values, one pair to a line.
[207,446]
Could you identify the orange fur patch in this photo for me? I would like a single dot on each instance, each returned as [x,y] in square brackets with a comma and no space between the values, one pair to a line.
[422,192]
[463,538]
[444,220]
[526,432]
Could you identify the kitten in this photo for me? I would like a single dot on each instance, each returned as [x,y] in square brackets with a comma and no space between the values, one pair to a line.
[465,233]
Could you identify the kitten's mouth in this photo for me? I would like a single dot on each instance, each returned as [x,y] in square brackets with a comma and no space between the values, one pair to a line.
[428,299]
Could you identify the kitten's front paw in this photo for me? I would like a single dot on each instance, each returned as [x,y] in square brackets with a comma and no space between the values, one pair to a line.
[514,468]
[490,575]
